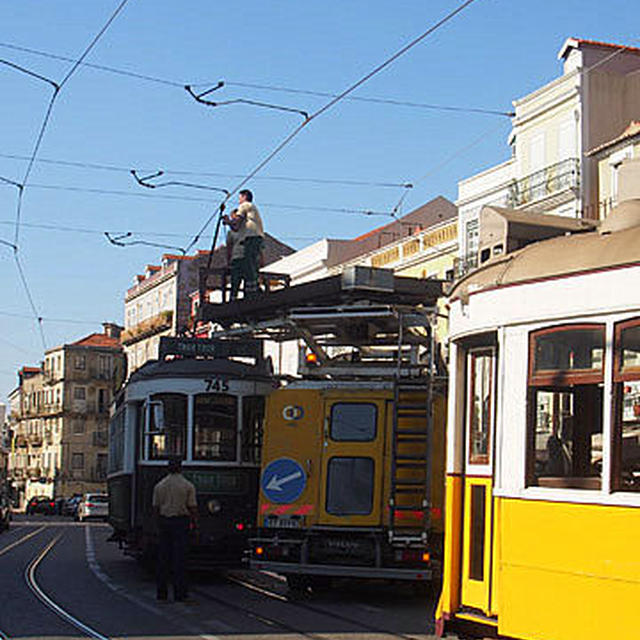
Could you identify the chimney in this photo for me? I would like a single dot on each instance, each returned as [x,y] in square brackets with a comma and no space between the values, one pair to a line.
[112,330]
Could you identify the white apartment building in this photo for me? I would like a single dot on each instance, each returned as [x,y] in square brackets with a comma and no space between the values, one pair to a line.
[594,99]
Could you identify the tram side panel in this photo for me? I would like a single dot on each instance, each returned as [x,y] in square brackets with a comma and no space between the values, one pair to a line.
[324,506]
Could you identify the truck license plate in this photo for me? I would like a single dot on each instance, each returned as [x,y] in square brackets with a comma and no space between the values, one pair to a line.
[282,523]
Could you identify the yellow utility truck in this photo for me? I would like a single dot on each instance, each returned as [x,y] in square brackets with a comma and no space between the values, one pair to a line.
[351,480]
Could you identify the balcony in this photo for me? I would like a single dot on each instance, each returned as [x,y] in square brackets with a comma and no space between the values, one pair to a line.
[147,328]
[462,266]
[548,187]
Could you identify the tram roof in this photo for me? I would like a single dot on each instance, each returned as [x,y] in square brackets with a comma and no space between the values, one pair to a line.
[191,367]
[616,243]
[355,284]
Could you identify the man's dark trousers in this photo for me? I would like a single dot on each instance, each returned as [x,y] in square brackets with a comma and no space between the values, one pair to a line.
[172,557]
[252,247]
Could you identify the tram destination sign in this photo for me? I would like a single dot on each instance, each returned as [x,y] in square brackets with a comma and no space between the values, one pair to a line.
[209,348]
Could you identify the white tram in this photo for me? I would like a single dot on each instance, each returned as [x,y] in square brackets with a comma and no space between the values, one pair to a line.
[542,535]
[208,410]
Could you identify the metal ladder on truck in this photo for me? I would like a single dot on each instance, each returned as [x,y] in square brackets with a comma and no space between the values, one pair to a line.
[411,447]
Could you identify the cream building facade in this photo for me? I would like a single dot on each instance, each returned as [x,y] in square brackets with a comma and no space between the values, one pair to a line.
[597,95]
[619,167]
[60,415]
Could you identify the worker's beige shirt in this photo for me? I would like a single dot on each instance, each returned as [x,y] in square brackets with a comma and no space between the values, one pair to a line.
[252,221]
[174,495]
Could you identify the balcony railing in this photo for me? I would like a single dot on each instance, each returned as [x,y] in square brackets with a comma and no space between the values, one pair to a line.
[462,266]
[147,328]
[547,182]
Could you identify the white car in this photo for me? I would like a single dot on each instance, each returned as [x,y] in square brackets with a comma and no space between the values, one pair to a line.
[93,505]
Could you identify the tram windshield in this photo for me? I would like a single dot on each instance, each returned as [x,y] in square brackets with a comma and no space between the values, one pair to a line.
[167,439]
[215,427]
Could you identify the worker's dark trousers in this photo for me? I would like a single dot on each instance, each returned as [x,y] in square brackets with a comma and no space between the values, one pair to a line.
[172,557]
[252,248]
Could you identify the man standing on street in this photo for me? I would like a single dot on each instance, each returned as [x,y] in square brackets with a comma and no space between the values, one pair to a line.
[175,507]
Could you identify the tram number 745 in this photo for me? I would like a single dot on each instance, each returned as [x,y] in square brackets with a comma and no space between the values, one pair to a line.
[216,384]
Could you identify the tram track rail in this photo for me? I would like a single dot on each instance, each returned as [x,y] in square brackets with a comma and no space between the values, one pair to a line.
[47,601]
[30,579]
[277,622]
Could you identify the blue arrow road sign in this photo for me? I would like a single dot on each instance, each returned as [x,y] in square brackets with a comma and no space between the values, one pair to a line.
[283,480]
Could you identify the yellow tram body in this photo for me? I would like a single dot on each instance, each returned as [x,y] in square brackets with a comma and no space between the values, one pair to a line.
[542,502]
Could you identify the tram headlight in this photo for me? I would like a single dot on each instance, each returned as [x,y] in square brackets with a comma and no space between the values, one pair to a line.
[214,506]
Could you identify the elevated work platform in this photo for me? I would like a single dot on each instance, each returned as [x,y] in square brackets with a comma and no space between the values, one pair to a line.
[362,319]
[355,284]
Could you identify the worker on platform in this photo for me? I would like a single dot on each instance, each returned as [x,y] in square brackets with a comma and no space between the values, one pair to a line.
[235,253]
[247,223]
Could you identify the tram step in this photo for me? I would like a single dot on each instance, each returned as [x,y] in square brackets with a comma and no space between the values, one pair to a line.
[411,407]
[408,483]
[411,432]
[409,507]
[407,440]
[403,457]
[414,490]
[411,465]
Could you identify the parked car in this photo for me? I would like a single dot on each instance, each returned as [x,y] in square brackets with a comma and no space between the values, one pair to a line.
[93,505]
[5,512]
[41,504]
[70,506]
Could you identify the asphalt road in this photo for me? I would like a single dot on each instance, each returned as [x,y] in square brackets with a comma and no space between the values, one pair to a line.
[60,579]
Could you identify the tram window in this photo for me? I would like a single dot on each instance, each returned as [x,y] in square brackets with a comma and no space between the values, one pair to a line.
[568,437]
[215,427]
[171,441]
[116,442]
[353,421]
[252,428]
[350,486]
[566,350]
[626,432]
[565,408]
[480,406]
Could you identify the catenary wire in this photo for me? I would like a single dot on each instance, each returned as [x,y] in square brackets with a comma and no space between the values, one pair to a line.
[212,174]
[32,158]
[157,234]
[44,319]
[322,110]
[259,86]
[275,205]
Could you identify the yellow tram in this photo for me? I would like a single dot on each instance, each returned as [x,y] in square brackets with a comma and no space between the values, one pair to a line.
[543,443]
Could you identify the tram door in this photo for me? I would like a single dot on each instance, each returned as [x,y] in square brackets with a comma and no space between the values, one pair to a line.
[352,457]
[477,539]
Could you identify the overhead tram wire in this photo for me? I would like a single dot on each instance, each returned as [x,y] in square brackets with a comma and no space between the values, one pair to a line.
[260,86]
[318,113]
[211,174]
[61,228]
[57,87]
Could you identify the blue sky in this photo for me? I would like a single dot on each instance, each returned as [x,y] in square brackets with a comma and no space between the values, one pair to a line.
[491,53]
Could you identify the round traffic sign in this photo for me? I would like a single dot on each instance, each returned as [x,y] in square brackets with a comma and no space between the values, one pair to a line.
[283,480]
